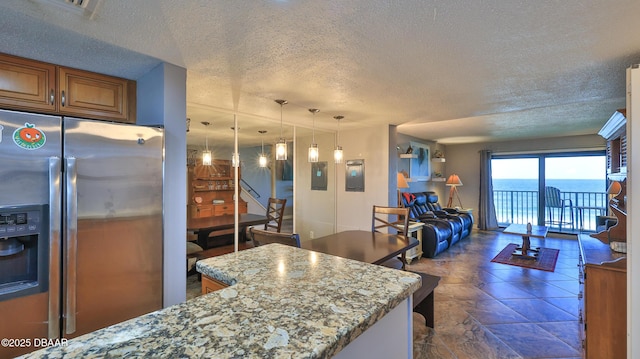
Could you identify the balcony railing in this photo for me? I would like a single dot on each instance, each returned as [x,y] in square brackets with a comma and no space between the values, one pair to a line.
[521,207]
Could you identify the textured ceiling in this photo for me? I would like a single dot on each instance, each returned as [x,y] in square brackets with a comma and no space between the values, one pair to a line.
[452,71]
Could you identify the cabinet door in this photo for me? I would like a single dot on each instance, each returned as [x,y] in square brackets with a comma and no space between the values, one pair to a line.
[211,285]
[87,94]
[27,84]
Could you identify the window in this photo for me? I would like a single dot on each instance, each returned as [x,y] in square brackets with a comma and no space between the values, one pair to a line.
[522,195]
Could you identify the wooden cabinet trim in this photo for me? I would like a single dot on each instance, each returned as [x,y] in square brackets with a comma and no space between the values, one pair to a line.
[26,84]
[211,285]
[37,86]
[88,94]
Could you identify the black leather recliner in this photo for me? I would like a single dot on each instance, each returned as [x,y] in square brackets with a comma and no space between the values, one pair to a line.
[421,207]
[467,218]
[436,232]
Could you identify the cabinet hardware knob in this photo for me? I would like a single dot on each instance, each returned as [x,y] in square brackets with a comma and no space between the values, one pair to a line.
[63,98]
[52,96]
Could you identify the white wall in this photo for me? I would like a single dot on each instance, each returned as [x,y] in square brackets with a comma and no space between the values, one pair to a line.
[464,160]
[315,210]
[162,101]
[354,208]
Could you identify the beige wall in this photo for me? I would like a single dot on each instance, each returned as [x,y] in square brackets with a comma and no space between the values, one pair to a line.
[464,160]
[315,210]
[354,208]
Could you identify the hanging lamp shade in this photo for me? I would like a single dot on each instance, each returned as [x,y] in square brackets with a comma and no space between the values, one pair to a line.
[263,161]
[313,148]
[281,150]
[206,158]
[338,156]
[206,154]
[281,145]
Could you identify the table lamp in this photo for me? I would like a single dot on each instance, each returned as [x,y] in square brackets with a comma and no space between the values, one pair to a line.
[402,183]
[453,181]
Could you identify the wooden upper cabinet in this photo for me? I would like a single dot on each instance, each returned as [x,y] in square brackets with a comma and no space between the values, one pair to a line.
[46,88]
[27,84]
[87,94]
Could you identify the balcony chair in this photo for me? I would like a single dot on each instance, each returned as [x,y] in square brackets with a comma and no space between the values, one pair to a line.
[554,202]
[382,218]
[262,237]
[275,213]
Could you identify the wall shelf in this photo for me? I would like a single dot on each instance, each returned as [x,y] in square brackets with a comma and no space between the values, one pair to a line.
[437,165]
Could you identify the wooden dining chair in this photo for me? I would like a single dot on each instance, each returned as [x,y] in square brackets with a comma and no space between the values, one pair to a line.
[275,213]
[391,219]
[261,237]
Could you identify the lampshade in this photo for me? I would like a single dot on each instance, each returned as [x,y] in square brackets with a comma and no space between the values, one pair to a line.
[454,180]
[614,188]
[206,158]
[281,150]
[402,182]
[262,159]
[281,145]
[338,155]
[206,154]
[313,153]
[313,148]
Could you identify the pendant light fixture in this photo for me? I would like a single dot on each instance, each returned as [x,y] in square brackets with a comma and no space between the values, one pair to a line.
[206,154]
[281,146]
[337,153]
[262,160]
[313,149]
[235,156]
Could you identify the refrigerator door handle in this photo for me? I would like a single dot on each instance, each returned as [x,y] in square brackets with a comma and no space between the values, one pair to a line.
[55,209]
[71,252]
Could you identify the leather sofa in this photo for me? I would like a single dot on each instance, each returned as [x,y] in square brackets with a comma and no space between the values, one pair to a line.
[466,218]
[443,227]
[437,233]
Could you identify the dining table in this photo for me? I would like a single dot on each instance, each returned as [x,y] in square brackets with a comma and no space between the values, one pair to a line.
[204,226]
[363,246]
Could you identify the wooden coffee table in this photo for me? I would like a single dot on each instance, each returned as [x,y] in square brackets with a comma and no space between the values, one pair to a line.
[525,251]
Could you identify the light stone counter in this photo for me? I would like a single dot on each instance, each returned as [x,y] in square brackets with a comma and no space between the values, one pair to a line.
[283,302]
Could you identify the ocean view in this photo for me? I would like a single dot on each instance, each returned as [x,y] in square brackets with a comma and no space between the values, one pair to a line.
[564,185]
[516,200]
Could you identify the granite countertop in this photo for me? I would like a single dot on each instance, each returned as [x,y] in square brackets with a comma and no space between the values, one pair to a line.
[283,302]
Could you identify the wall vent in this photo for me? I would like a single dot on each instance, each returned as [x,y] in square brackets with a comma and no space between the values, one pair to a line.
[86,8]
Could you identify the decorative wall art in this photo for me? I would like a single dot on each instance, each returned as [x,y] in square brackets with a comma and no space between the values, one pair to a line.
[418,161]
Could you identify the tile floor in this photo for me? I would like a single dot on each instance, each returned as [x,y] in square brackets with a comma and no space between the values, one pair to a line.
[491,310]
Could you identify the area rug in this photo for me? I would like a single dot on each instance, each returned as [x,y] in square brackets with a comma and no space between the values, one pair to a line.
[546,260]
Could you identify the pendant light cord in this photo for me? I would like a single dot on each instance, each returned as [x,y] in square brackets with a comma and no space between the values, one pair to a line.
[281,119]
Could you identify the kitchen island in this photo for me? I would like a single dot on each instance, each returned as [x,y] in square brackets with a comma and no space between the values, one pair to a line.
[282,302]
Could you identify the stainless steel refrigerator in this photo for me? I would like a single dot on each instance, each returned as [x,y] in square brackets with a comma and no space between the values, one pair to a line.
[80,225]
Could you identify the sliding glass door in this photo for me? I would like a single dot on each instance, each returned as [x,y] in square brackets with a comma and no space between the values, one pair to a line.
[564,191]
[515,189]
[575,192]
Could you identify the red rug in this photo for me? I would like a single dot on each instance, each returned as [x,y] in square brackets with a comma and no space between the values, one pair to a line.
[546,260]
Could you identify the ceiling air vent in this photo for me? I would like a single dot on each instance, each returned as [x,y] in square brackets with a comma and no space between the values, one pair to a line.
[86,8]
